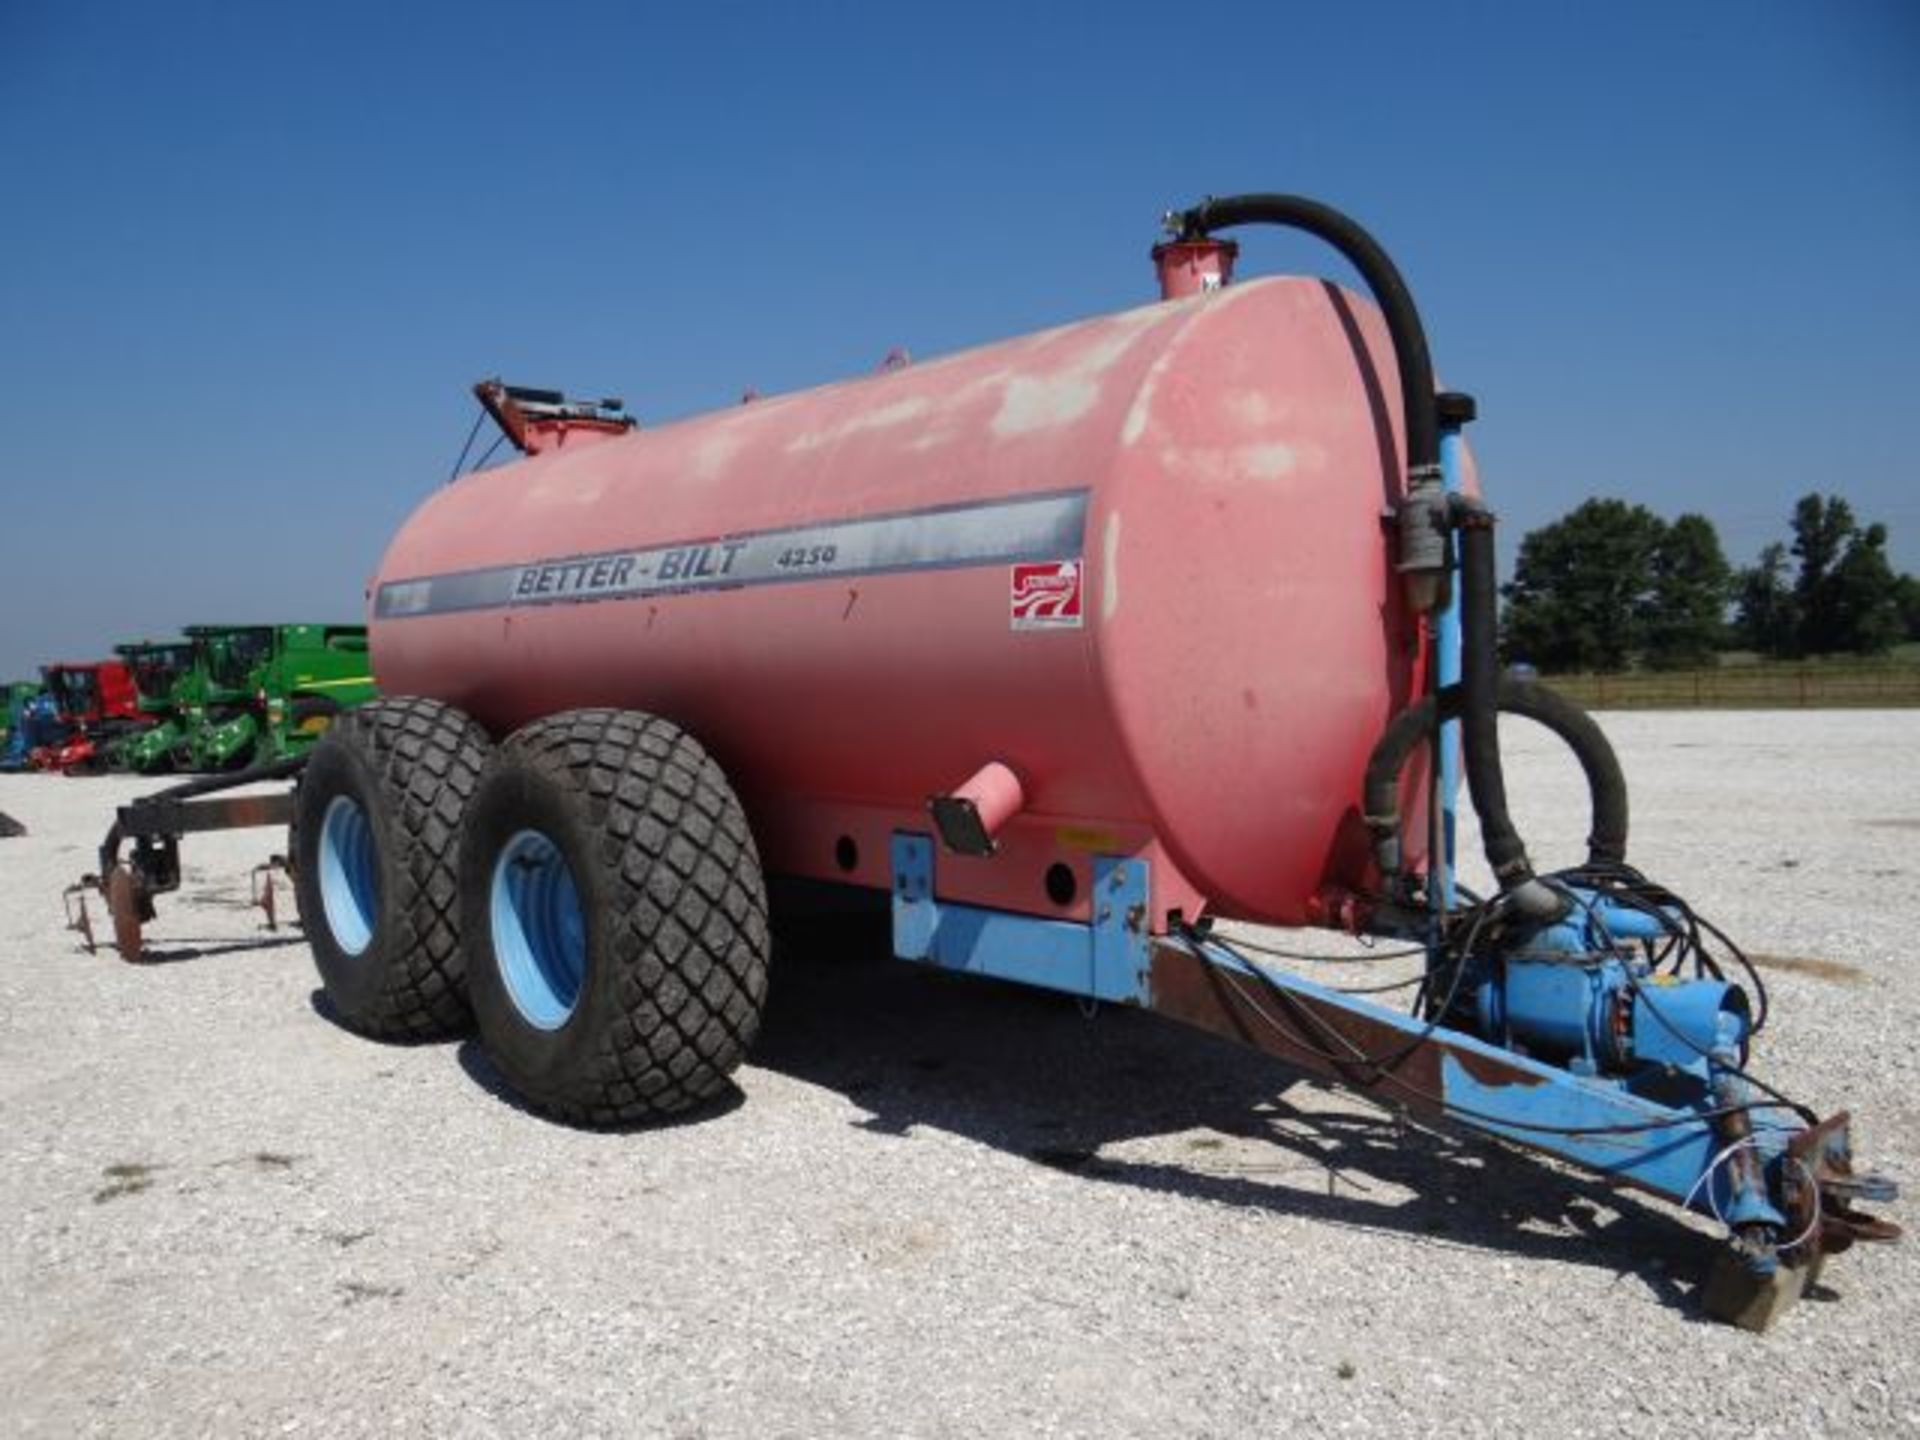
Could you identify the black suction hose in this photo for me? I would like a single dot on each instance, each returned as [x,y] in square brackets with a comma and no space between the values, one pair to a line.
[1412,727]
[1480,697]
[1390,292]
[1425,514]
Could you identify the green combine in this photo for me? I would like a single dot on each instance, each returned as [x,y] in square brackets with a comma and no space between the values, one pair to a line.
[165,682]
[268,692]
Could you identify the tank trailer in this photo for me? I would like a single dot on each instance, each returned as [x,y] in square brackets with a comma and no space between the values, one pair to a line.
[1062,649]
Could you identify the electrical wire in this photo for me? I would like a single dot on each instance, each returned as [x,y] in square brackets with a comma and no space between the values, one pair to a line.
[1445,1106]
[1383,989]
[1747,1142]
[1372,957]
[498,441]
[478,420]
[1382,1062]
[1623,884]
[1643,997]
[1617,881]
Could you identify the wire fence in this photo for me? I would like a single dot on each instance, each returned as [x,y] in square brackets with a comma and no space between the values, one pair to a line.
[1747,687]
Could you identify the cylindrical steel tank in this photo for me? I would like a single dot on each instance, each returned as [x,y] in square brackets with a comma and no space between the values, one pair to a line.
[1139,560]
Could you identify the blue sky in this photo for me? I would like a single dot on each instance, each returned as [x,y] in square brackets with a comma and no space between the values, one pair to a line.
[251,255]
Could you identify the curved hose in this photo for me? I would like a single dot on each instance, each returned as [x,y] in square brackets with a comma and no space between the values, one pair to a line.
[1606,783]
[1479,711]
[1383,279]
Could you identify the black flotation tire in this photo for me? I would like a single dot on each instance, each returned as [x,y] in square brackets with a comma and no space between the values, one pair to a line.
[675,909]
[413,766]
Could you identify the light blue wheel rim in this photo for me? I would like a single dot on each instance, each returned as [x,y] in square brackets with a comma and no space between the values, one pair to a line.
[539,930]
[349,875]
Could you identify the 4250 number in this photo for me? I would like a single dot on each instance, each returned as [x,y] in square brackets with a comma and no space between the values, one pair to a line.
[806,557]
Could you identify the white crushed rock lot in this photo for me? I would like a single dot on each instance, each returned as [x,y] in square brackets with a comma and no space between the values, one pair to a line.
[938,1208]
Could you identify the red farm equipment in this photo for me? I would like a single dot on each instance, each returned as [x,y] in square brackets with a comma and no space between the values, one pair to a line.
[98,704]
[1056,651]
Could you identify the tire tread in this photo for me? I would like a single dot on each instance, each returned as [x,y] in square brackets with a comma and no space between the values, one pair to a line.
[427,757]
[685,913]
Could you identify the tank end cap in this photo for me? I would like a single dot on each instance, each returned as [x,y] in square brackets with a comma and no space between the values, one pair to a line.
[962,831]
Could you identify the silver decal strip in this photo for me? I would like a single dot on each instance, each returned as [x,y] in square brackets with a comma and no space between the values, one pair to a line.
[1032,527]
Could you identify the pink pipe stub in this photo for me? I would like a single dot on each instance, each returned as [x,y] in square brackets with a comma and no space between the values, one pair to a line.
[970,816]
[1193,267]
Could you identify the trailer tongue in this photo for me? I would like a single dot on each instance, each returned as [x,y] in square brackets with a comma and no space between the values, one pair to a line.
[1064,649]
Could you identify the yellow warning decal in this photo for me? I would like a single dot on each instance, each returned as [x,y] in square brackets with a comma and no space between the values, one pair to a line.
[1085,837]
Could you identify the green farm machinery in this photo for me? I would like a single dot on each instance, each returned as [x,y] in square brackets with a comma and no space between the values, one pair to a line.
[269,692]
[165,681]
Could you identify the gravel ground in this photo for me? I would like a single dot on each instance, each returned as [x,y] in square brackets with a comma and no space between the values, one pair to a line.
[936,1208]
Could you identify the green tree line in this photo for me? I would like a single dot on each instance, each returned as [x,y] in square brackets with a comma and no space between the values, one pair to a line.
[1610,584]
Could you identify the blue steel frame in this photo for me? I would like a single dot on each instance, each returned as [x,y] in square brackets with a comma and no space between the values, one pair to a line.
[1107,960]
[1446,659]
[1593,1121]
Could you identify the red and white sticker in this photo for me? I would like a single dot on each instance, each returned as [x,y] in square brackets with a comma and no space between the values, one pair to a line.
[1046,595]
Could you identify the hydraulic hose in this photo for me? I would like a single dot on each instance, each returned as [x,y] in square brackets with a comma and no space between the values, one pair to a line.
[1606,783]
[1479,711]
[1425,516]
[1390,292]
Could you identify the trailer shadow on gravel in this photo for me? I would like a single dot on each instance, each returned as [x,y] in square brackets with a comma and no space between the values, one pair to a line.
[173,952]
[177,950]
[480,1069]
[1124,1098]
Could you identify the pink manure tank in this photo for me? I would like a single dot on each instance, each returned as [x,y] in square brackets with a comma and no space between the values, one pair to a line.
[1120,588]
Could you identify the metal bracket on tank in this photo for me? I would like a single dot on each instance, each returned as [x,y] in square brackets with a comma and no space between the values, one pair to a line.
[1108,959]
